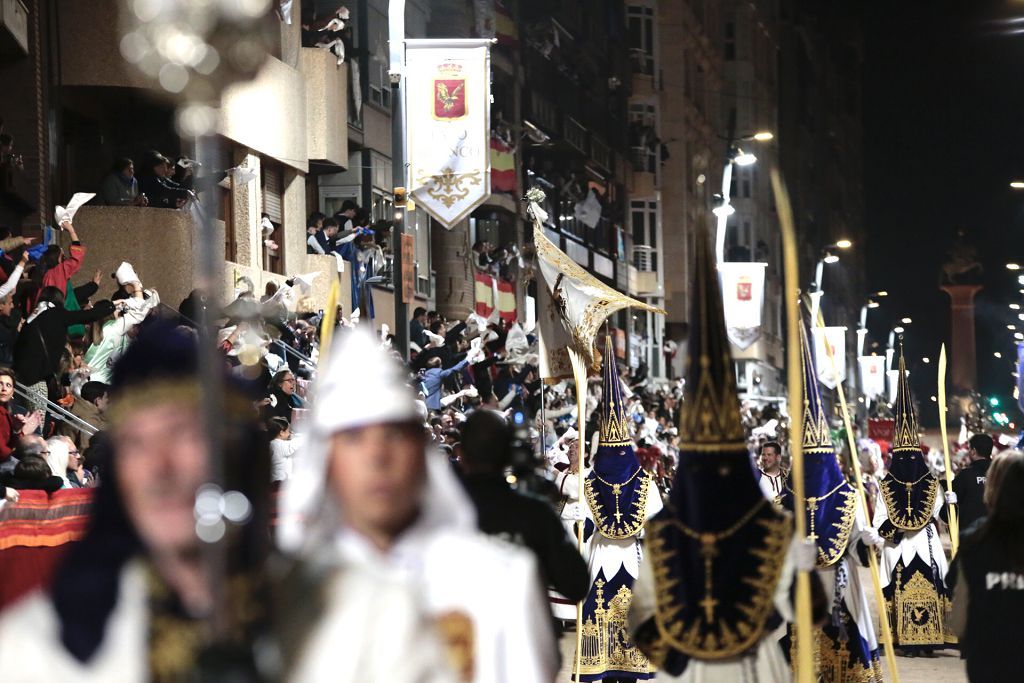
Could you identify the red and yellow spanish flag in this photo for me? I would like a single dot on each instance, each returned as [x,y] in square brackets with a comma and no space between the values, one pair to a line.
[487,288]
[503,166]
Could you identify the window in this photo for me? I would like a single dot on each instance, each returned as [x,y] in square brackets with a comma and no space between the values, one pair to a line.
[222,198]
[730,41]
[644,215]
[640,24]
[380,86]
[272,186]
[745,182]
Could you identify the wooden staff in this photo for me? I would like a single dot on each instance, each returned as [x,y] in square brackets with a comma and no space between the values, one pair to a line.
[804,663]
[954,518]
[883,617]
[579,373]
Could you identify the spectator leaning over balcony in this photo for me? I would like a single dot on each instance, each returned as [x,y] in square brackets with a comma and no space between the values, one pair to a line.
[314,223]
[38,350]
[155,182]
[120,188]
[347,215]
[325,239]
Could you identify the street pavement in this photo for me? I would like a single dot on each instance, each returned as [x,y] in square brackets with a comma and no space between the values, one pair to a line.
[946,667]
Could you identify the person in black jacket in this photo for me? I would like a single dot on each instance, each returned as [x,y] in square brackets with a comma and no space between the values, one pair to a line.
[969,484]
[987,577]
[485,451]
[155,182]
[40,344]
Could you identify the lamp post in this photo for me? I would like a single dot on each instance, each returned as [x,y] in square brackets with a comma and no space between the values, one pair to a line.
[862,330]
[396,74]
[828,255]
[733,155]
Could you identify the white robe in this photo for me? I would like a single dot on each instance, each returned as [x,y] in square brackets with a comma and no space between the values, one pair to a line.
[766,662]
[490,587]
[913,543]
[376,625]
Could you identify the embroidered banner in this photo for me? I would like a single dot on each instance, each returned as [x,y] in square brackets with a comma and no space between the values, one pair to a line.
[448,126]
[742,300]
[835,337]
[872,375]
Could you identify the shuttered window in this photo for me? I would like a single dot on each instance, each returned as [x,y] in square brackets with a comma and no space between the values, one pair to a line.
[273,191]
[272,180]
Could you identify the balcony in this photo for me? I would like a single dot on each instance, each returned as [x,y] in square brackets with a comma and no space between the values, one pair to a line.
[13,29]
[643,271]
[326,107]
[161,244]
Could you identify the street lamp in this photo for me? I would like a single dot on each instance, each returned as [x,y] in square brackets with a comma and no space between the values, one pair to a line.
[1014,307]
[828,255]
[906,321]
[1017,184]
[733,155]
[862,330]
[1013,266]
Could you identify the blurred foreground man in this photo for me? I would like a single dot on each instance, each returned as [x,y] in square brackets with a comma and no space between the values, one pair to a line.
[131,600]
[367,493]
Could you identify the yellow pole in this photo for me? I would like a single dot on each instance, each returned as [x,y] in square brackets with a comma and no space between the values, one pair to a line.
[954,517]
[804,664]
[327,324]
[883,617]
[579,372]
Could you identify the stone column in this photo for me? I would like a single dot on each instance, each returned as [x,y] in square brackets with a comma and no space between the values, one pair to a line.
[452,258]
[963,351]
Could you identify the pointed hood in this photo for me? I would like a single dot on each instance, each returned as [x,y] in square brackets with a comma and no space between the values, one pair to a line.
[710,417]
[617,483]
[718,546]
[909,482]
[614,421]
[830,521]
[905,432]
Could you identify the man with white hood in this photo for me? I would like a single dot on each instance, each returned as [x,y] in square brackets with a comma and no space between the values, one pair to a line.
[367,492]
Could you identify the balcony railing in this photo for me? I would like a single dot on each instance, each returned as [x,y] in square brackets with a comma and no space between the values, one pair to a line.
[645,258]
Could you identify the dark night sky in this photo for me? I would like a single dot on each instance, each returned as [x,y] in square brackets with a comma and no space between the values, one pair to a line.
[944,135]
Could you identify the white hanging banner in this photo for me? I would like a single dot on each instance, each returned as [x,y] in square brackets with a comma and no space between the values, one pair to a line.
[894,381]
[448,95]
[872,375]
[742,300]
[835,337]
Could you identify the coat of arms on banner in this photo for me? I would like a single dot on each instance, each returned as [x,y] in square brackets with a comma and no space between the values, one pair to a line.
[449,93]
[744,289]
[448,104]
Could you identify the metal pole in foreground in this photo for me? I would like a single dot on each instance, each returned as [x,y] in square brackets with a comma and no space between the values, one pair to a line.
[396,73]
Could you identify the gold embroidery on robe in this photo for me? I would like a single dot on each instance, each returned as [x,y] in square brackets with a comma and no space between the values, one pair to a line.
[918,611]
[456,629]
[606,642]
[723,638]
[895,495]
[634,520]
